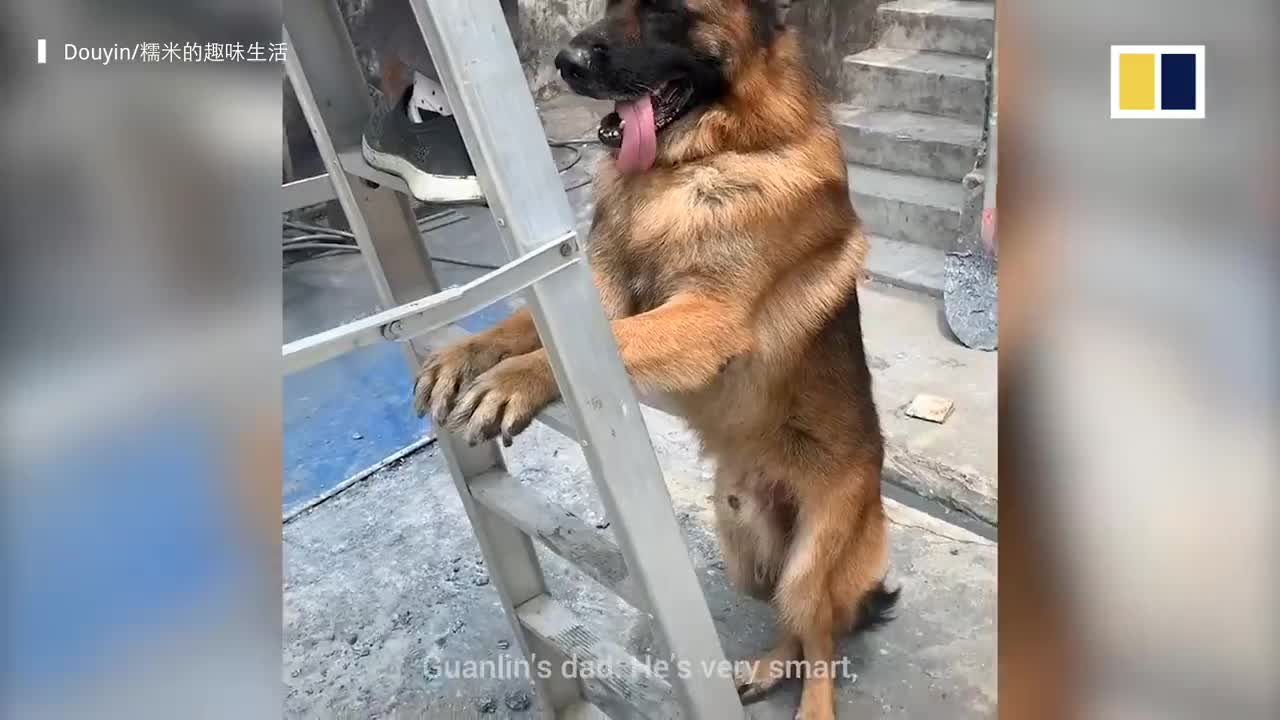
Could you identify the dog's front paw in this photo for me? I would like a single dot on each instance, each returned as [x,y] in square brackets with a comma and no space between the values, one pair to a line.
[447,372]
[504,400]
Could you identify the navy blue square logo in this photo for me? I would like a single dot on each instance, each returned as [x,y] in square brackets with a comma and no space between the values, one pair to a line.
[1178,81]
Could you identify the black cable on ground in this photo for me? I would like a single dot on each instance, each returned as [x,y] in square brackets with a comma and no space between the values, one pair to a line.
[576,146]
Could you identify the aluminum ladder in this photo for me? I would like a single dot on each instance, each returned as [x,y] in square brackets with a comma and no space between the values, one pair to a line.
[649,565]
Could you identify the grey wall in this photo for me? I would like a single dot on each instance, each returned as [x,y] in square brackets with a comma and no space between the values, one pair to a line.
[542,28]
[833,29]
[545,27]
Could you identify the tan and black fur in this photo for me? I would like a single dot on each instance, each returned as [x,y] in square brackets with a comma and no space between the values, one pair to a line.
[729,271]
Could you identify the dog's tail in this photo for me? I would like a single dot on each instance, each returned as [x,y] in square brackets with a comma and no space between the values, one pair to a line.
[876,608]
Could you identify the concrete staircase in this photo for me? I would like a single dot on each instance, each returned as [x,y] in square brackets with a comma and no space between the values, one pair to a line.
[912,129]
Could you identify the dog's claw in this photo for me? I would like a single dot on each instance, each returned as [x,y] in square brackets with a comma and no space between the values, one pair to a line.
[750,693]
[422,390]
[754,682]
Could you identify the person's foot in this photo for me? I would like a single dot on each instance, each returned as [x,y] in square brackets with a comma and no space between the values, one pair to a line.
[429,155]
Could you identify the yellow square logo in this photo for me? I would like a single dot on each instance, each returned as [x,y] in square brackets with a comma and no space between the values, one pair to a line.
[1137,81]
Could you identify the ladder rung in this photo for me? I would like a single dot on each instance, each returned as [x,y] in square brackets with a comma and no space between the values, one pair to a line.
[562,532]
[624,677]
[407,321]
[306,192]
[354,163]
[556,415]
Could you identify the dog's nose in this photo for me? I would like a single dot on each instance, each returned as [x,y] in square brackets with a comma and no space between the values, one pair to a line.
[573,62]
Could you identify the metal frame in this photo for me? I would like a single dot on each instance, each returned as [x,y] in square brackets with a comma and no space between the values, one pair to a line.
[309,191]
[412,319]
[649,566]
[322,65]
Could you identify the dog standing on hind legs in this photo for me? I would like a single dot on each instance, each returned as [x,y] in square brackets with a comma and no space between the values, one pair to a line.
[726,253]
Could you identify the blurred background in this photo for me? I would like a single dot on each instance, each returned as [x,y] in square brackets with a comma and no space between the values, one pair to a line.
[1138,378]
[141,397]
[141,412]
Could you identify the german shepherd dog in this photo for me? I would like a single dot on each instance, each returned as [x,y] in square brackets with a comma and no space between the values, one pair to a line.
[727,255]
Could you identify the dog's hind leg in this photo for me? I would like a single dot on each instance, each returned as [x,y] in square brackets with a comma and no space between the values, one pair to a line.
[834,560]
[805,609]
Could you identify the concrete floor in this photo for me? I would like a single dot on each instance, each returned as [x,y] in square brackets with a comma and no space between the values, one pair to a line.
[384,588]
[383,584]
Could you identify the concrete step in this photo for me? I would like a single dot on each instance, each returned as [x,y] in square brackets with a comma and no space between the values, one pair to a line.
[922,210]
[906,265]
[915,143]
[935,83]
[954,26]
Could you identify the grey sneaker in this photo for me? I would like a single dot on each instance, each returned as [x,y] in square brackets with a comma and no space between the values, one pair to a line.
[430,156]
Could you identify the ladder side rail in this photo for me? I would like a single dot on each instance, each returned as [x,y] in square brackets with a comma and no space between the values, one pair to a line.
[473,50]
[321,62]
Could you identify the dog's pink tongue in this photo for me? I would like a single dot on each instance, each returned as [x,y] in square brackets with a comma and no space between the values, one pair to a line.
[639,138]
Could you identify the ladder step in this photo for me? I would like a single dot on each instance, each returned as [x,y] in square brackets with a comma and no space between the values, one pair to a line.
[559,530]
[556,415]
[405,322]
[307,192]
[618,674]
[354,163]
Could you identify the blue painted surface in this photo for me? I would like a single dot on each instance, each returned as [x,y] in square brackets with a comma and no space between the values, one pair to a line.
[347,414]
[82,538]
[86,569]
